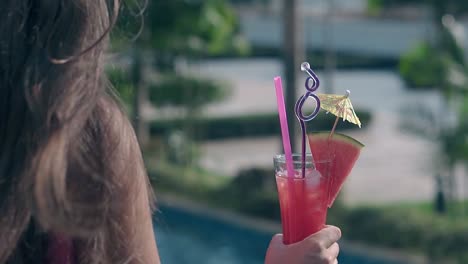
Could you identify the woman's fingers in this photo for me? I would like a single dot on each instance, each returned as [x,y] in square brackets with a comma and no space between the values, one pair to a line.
[327,236]
[330,255]
[333,251]
[277,241]
[319,248]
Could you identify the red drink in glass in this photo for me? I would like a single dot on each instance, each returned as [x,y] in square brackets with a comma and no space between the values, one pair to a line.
[304,209]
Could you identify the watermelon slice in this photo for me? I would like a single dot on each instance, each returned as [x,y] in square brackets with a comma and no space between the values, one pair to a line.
[342,151]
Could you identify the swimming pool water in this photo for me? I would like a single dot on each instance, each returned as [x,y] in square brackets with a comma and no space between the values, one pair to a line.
[185,237]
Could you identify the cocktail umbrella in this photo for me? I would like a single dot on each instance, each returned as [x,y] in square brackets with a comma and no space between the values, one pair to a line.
[340,106]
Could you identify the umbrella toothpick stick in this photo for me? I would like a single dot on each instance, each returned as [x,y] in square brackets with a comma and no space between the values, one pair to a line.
[334,127]
[338,117]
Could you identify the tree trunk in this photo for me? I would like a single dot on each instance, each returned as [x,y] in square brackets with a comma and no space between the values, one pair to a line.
[293,53]
[462,194]
[451,184]
[330,58]
[439,9]
[140,98]
[440,202]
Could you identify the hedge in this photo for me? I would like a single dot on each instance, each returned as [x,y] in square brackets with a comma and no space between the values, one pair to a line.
[259,125]
[439,238]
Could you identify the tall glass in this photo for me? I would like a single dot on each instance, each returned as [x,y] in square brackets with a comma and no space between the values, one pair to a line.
[303,202]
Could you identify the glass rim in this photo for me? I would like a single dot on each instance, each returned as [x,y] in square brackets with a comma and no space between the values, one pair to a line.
[297,159]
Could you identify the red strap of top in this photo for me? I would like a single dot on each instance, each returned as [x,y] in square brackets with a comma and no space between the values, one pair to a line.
[60,250]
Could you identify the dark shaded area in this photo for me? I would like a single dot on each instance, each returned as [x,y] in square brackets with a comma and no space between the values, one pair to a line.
[440,206]
[249,126]
[343,60]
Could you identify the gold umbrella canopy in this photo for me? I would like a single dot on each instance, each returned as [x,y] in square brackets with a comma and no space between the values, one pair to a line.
[340,106]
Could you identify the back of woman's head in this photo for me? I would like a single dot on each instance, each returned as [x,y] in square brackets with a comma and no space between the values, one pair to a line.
[61,135]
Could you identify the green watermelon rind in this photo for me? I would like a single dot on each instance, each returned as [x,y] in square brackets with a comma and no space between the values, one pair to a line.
[338,136]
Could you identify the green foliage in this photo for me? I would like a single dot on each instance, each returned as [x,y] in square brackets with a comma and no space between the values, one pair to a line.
[374,7]
[173,90]
[188,92]
[180,149]
[437,237]
[193,182]
[170,30]
[249,126]
[421,67]
[446,61]
[426,67]
[120,80]
[186,28]
[253,192]
[444,67]
[454,142]
[190,95]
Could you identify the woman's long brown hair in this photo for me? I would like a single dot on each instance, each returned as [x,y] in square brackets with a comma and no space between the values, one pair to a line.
[67,152]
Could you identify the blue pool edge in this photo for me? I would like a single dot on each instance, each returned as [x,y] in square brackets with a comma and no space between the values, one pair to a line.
[268,226]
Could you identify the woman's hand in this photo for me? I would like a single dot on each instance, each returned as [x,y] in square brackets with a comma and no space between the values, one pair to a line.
[319,248]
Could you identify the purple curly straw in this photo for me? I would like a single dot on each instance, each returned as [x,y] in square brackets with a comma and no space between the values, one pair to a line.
[305,67]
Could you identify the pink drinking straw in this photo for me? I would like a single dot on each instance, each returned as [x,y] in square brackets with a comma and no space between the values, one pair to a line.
[287,151]
[284,127]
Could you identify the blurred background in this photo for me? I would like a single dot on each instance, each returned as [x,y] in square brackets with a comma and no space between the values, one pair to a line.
[196,78]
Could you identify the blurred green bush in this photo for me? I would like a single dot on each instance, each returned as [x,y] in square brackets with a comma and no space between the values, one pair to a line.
[421,68]
[258,125]
[439,238]
[252,192]
[171,90]
[186,91]
[122,84]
